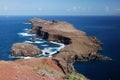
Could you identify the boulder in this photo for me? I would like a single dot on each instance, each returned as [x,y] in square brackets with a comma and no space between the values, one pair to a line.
[23,49]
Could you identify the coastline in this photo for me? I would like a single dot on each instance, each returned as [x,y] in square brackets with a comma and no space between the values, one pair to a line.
[79,46]
[63,61]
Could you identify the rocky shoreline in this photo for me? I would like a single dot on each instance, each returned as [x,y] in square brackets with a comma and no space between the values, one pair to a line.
[79,47]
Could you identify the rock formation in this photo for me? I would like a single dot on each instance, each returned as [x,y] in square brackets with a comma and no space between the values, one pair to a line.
[23,49]
[36,69]
[79,46]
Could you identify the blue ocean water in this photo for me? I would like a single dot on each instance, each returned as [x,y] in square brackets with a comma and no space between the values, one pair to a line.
[15,30]
[105,28]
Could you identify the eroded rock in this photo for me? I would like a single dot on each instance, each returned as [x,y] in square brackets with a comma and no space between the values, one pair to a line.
[79,46]
[36,69]
[23,49]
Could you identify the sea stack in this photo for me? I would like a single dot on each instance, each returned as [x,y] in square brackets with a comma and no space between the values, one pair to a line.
[23,49]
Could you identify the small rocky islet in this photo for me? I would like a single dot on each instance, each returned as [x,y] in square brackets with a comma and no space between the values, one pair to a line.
[79,47]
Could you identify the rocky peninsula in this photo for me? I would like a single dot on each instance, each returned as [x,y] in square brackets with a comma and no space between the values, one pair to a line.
[79,47]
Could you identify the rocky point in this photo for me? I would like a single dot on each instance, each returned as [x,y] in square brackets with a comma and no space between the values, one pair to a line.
[79,46]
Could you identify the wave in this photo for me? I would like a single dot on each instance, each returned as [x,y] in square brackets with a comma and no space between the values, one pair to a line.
[52,50]
[38,42]
[26,34]
[20,57]
[27,29]
[38,39]
[47,51]
[27,23]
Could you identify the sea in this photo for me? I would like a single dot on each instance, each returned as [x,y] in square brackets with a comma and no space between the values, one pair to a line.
[13,29]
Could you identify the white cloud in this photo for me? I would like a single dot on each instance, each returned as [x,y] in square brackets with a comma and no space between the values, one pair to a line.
[80,9]
[74,9]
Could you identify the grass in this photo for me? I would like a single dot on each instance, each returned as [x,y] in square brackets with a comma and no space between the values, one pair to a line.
[75,77]
[72,76]
[46,69]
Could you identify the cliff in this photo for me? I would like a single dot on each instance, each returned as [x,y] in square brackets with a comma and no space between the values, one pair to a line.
[37,69]
[79,46]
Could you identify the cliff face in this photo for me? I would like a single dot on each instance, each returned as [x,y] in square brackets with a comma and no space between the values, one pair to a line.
[51,34]
[79,46]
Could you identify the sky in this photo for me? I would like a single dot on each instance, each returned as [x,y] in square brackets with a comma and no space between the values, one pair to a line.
[60,7]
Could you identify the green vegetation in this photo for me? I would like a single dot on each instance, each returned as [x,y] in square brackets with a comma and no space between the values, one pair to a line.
[72,76]
[75,77]
[47,69]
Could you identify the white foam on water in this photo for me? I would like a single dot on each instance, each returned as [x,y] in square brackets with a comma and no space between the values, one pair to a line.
[61,45]
[50,49]
[20,57]
[27,23]
[58,44]
[26,34]
[27,57]
[28,42]
[37,42]
[46,52]
[26,29]
[38,39]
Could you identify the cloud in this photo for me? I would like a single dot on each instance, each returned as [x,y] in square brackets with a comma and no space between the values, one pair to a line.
[74,9]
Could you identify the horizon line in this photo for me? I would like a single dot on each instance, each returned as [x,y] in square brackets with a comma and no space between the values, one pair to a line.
[59,15]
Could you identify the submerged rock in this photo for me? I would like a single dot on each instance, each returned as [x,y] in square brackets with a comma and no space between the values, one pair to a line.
[23,49]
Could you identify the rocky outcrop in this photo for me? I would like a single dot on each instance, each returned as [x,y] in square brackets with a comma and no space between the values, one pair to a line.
[79,46]
[35,69]
[23,49]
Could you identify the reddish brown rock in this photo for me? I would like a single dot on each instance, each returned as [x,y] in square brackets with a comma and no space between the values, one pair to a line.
[36,69]
[23,49]
[79,46]
[31,69]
